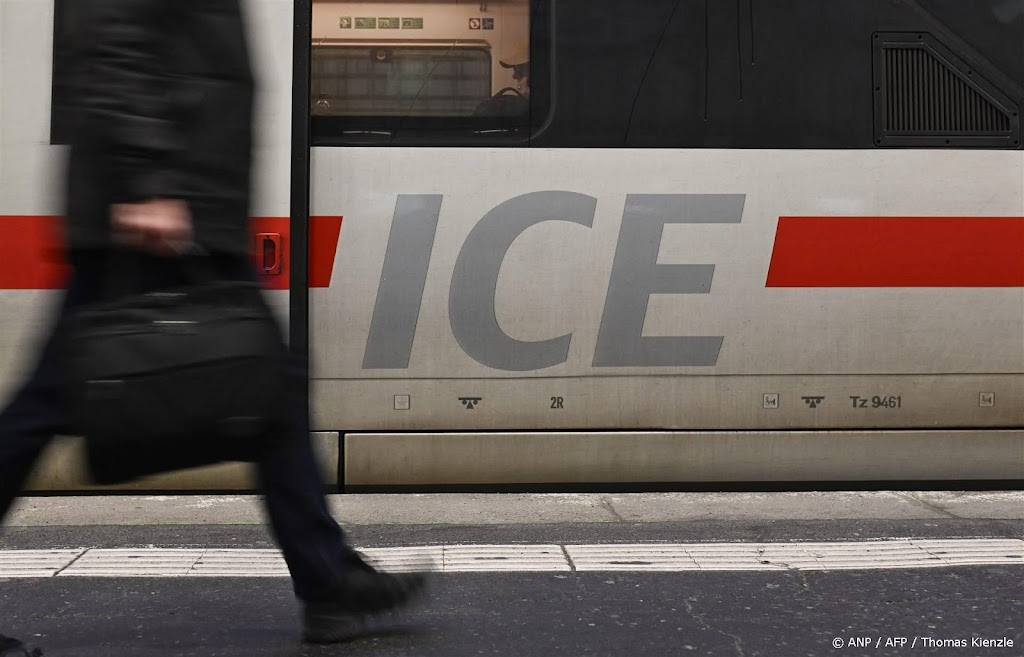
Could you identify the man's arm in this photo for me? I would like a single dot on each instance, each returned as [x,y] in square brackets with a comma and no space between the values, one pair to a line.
[126,101]
[125,97]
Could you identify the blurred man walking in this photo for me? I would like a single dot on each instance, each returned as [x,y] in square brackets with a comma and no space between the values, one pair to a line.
[160,162]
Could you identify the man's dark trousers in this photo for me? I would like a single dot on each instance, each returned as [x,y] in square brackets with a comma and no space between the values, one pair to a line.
[312,542]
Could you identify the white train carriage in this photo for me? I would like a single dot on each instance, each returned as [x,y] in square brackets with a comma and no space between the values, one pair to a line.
[686,243]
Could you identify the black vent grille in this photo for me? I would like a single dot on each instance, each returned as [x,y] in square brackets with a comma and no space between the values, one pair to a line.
[925,96]
[922,95]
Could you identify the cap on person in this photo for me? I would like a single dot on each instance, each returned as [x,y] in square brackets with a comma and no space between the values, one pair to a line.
[518,56]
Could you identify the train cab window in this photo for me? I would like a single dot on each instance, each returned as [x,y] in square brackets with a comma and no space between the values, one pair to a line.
[427,71]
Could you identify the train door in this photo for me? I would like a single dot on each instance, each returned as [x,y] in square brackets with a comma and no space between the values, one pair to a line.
[451,80]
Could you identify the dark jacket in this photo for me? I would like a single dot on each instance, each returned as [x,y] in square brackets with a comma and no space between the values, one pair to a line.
[161,103]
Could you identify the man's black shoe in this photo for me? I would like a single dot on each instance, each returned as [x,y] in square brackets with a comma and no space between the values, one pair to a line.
[365,592]
[13,648]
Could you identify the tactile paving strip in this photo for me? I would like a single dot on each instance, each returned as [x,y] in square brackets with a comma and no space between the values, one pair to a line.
[35,563]
[904,553]
[850,555]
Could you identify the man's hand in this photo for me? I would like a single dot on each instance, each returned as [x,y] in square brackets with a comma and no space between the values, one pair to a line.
[160,226]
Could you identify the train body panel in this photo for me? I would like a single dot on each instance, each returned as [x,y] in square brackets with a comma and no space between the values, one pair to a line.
[30,167]
[658,458]
[564,276]
[671,402]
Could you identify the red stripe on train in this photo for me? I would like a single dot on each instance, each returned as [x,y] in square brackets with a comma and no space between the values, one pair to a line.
[898,252]
[32,251]
[323,245]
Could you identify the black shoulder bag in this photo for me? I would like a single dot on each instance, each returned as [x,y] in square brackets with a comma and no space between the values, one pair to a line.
[176,378]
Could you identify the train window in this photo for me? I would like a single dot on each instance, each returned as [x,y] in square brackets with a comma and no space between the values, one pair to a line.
[399,79]
[427,71]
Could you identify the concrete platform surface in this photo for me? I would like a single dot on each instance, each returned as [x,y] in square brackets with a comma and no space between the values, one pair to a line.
[504,509]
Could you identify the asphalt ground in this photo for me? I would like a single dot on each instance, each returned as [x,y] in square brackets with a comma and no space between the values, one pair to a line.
[526,614]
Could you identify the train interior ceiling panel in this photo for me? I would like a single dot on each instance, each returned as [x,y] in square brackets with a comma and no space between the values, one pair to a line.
[561,244]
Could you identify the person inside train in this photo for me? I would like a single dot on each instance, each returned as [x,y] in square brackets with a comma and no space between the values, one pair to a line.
[511,101]
[157,172]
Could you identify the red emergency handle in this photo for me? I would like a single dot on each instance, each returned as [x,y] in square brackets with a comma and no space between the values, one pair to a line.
[268,248]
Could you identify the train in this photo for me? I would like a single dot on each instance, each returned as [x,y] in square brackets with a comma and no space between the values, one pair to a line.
[583,244]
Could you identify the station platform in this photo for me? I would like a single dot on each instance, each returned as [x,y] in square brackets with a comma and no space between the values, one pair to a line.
[744,574]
